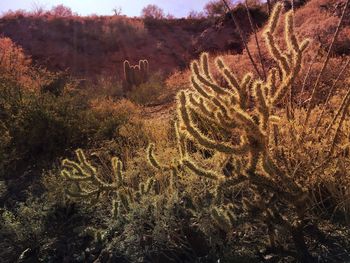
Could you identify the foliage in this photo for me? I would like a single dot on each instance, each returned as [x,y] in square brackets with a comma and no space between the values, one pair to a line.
[149,92]
[61,11]
[152,11]
[216,8]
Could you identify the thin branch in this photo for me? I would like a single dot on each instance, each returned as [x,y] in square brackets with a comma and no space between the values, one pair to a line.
[253,27]
[242,37]
[309,71]
[325,63]
[341,108]
[269,7]
[331,92]
[342,118]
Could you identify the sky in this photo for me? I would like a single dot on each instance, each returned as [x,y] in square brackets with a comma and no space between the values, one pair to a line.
[179,8]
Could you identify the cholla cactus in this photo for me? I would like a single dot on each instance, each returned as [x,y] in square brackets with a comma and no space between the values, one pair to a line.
[228,107]
[87,183]
[136,74]
[86,177]
[247,128]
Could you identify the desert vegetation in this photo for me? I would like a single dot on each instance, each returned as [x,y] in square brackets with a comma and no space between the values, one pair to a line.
[232,156]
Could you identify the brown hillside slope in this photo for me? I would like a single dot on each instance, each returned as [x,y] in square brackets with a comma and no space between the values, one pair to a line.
[317,20]
[91,46]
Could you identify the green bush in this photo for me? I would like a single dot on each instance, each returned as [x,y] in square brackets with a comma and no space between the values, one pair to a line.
[149,92]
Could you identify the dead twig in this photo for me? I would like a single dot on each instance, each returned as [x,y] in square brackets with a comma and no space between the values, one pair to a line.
[240,32]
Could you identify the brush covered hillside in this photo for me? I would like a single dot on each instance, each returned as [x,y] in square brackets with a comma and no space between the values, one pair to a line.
[182,144]
[98,45]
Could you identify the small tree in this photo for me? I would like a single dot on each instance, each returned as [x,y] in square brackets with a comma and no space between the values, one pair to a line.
[61,10]
[152,11]
[195,15]
[215,8]
[37,9]
[117,11]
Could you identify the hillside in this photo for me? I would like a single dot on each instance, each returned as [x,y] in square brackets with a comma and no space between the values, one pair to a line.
[92,46]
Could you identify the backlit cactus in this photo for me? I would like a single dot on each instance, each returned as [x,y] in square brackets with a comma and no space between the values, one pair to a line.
[228,107]
[247,128]
[135,75]
[86,183]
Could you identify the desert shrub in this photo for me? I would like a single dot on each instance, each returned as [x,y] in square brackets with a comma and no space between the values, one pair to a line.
[149,92]
[4,143]
[43,126]
[14,64]
[114,115]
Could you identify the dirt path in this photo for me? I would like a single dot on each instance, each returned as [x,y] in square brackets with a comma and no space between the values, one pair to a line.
[162,111]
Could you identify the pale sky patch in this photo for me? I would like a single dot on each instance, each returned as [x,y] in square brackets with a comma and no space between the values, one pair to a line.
[179,8]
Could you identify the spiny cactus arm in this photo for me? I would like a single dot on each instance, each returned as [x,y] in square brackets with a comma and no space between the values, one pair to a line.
[210,113]
[274,17]
[143,65]
[84,163]
[246,84]
[124,199]
[289,63]
[145,189]
[87,176]
[272,83]
[221,219]
[150,155]
[213,86]
[276,53]
[248,123]
[153,160]
[263,109]
[229,76]
[149,185]
[204,93]
[204,62]
[128,73]
[285,85]
[239,89]
[192,130]
[181,141]
[228,125]
[117,166]
[72,177]
[201,172]
[203,109]
[292,41]
[116,206]
[254,156]
[220,106]
[273,119]
[208,95]
[81,193]
[215,104]
[142,188]
[126,66]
